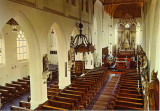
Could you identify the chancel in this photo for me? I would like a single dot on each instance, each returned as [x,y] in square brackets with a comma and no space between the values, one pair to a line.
[79,54]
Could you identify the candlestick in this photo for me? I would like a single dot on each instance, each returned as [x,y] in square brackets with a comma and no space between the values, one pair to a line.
[138,83]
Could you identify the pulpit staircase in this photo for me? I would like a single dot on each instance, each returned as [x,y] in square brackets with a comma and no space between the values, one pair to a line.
[126,95]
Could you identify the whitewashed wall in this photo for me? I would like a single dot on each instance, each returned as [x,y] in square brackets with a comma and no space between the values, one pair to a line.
[12,69]
[151,34]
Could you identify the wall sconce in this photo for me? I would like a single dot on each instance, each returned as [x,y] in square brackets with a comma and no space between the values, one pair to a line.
[14,28]
[52,32]
[14,24]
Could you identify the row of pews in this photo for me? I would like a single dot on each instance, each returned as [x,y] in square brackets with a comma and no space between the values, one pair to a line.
[14,89]
[126,95]
[79,93]
[23,105]
[53,75]
[51,91]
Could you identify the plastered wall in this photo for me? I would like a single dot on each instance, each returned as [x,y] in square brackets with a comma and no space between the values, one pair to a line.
[12,69]
[151,34]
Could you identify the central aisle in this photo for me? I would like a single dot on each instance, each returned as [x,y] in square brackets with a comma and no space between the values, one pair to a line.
[103,97]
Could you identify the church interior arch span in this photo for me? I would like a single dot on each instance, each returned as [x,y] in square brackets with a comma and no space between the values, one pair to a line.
[62,54]
[34,61]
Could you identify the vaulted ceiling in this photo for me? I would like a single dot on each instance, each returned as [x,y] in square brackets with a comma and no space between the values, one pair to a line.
[119,8]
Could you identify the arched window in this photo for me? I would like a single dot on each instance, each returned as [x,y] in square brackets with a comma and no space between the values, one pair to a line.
[138,34]
[22,52]
[116,34]
[53,40]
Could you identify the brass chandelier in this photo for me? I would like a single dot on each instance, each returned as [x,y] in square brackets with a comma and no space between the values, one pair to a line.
[81,43]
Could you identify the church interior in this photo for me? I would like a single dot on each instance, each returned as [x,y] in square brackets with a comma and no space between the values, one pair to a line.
[79,54]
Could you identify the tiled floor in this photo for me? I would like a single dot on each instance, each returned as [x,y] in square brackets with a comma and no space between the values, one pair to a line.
[15,102]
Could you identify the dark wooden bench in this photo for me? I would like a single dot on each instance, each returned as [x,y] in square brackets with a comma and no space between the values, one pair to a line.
[61,104]
[52,93]
[23,84]
[76,88]
[22,80]
[54,86]
[29,98]
[46,107]
[17,86]
[24,104]
[79,93]
[16,108]
[73,92]
[4,92]
[26,78]
[68,95]
[10,89]
[53,89]
[66,99]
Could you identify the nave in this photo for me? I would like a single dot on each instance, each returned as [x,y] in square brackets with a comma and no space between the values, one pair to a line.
[79,54]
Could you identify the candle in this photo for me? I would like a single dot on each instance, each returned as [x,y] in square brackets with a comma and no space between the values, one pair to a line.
[138,83]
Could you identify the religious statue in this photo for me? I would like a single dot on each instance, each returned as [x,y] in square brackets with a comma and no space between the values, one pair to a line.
[126,42]
[45,63]
[143,68]
[154,92]
[132,43]
[146,88]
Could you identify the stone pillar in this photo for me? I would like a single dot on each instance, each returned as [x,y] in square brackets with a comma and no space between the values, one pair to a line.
[64,71]
[38,89]
[90,63]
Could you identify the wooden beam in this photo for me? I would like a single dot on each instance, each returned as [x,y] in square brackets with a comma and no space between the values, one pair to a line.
[122,3]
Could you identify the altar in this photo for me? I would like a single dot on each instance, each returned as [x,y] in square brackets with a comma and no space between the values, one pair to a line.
[125,53]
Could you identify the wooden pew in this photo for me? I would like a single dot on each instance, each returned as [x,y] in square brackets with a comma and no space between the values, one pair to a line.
[61,104]
[23,84]
[16,108]
[46,107]
[80,92]
[11,89]
[22,80]
[24,104]
[84,82]
[66,99]
[52,93]
[74,92]
[26,78]
[4,99]
[4,92]
[29,98]
[81,85]
[77,89]
[54,86]
[53,89]
[68,95]
[17,86]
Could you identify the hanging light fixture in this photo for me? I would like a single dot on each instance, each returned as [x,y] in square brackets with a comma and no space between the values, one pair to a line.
[14,24]
[52,32]
[81,43]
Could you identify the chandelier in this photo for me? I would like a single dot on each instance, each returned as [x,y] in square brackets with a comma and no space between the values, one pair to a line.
[81,44]
[13,23]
